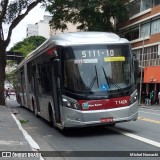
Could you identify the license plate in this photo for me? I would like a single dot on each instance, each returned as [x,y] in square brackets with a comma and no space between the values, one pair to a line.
[108,119]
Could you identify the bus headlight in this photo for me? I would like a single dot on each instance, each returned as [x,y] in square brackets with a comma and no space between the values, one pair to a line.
[70,104]
[134,97]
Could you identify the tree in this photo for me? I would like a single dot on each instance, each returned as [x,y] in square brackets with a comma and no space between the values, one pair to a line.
[11,13]
[28,45]
[91,15]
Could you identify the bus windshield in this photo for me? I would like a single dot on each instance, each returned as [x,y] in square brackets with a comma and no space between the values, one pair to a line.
[97,68]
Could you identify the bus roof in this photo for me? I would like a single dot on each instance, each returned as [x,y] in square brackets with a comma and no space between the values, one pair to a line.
[79,38]
[87,38]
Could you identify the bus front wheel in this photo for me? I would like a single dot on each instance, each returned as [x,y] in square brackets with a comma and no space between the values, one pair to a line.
[112,124]
[52,119]
[35,109]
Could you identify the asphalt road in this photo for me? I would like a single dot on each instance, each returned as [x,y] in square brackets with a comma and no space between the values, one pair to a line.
[141,135]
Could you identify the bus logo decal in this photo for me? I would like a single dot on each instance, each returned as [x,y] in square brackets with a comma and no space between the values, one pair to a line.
[85,105]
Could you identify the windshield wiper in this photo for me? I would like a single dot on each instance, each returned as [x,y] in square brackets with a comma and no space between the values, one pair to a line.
[92,83]
[109,80]
[96,76]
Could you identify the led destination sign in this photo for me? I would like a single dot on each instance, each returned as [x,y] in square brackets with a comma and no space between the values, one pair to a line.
[96,53]
[92,56]
[78,61]
[100,53]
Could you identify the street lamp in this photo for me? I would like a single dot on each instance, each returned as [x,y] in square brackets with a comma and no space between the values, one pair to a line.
[140,91]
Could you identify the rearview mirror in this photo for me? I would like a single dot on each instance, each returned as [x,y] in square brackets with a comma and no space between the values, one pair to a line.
[57,67]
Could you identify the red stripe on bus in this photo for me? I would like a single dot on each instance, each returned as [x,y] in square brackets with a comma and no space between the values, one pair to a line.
[104,103]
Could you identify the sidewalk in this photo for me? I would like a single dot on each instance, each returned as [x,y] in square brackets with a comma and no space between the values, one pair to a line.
[155,107]
[11,137]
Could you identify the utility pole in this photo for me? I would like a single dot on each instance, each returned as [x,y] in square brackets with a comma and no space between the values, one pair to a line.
[141,78]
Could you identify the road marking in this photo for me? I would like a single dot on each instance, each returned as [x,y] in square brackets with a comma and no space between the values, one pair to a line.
[150,113]
[149,120]
[3,142]
[145,140]
[32,143]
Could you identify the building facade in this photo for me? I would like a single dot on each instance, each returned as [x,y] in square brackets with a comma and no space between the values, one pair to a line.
[41,28]
[70,26]
[142,29]
[32,30]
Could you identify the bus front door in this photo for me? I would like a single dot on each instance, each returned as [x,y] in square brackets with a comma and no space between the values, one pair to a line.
[56,93]
[23,89]
[36,108]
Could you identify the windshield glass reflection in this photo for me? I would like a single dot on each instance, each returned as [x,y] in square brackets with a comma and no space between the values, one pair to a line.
[84,68]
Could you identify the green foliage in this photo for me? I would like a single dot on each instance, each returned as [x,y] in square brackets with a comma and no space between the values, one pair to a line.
[11,63]
[24,121]
[91,15]
[16,8]
[28,45]
[10,77]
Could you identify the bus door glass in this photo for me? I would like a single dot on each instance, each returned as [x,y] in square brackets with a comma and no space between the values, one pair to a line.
[35,87]
[23,90]
[56,91]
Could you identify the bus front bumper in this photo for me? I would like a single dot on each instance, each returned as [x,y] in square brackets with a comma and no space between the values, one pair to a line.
[77,118]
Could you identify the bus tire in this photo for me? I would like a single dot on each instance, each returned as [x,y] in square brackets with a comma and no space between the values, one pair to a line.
[20,101]
[51,118]
[112,124]
[34,109]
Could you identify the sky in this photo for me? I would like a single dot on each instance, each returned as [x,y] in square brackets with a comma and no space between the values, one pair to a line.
[19,33]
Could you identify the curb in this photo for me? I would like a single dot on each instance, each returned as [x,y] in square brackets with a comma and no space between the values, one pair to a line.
[150,107]
[32,143]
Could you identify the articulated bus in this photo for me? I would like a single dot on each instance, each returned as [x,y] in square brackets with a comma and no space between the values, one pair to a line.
[80,79]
